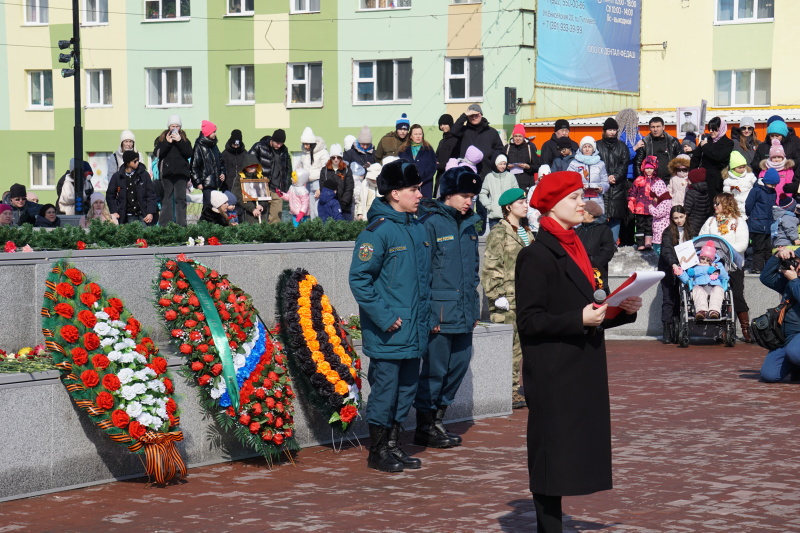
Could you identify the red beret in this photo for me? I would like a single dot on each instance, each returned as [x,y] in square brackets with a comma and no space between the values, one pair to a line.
[696,175]
[552,188]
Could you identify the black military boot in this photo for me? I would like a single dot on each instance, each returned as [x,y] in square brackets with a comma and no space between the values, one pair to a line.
[455,439]
[427,434]
[393,444]
[380,458]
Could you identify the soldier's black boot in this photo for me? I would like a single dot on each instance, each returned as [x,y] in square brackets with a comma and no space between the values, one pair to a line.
[380,458]
[427,434]
[455,439]
[393,444]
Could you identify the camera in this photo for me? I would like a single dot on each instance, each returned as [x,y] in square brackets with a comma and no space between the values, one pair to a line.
[789,264]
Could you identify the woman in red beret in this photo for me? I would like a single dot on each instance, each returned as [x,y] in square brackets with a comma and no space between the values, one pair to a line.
[564,355]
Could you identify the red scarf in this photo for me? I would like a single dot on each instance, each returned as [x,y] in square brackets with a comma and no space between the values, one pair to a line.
[572,245]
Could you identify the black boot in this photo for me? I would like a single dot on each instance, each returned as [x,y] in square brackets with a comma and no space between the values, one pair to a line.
[380,458]
[394,448]
[427,434]
[666,336]
[455,439]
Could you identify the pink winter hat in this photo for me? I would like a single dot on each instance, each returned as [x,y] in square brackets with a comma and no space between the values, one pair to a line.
[207,128]
[777,149]
[518,129]
[708,250]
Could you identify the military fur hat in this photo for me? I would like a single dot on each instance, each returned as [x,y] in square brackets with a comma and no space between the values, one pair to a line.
[459,180]
[397,175]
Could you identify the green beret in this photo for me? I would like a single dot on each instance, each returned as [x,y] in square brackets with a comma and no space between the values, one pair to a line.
[511,196]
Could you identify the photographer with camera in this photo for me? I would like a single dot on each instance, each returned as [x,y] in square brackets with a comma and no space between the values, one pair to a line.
[781,274]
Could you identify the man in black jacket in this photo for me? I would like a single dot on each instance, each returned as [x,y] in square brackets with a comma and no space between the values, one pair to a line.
[276,164]
[660,144]
[550,149]
[448,147]
[22,210]
[614,153]
[131,196]
[473,130]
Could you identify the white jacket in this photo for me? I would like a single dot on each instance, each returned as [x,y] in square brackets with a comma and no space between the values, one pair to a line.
[321,158]
[738,235]
[739,188]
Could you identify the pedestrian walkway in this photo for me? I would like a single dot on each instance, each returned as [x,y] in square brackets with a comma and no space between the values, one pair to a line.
[699,446]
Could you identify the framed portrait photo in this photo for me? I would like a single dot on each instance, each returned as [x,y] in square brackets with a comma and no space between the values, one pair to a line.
[255,190]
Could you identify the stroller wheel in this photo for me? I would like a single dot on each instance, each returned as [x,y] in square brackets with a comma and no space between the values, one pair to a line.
[683,335]
[730,334]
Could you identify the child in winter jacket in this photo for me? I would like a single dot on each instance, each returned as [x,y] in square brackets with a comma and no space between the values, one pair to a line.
[639,200]
[328,206]
[708,282]
[659,210]
[784,227]
[472,158]
[298,197]
[369,190]
[679,180]
[494,185]
[566,156]
[697,200]
[758,208]
[777,160]
[738,179]
[592,169]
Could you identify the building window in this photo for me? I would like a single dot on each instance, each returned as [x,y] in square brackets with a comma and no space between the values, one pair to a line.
[304,6]
[99,161]
[305,85]
[95,11]
[464,79]
[382,81]
[98,88]
[41,89]
[385,4]
[36,11]
[43,170]
[745,10]
[242,84]
[166,9]
[241,7]
[169,87]
[743,87]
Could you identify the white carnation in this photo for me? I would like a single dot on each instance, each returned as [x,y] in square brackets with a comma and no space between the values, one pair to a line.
[127,357]
[102,329]
[139,358]
[101,315]
[128,392]
[156,385]
[238,361]
[114,356]
[125,375]
[162,412]
[134,409]
[107,341]
[118,324]
[148,399]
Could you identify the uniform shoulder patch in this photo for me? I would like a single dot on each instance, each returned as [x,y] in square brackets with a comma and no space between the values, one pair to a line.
[375,224]
[365,251]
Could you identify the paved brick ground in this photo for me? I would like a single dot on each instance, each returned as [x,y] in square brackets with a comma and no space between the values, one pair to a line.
[699,446]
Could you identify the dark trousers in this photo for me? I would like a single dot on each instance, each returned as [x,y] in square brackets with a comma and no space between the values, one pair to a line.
[644,225]
[174,193]
[626,232]
[393,383]
[548,513]
[670,298]
[737,288]
[762,248]
[443,369]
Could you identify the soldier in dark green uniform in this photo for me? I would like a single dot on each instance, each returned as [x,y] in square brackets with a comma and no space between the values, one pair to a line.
[390,280]
[455,305]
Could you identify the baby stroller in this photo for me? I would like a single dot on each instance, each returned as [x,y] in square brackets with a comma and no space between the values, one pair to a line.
[723,327]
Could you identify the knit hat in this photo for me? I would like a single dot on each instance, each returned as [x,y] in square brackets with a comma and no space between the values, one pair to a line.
[691,136]
[560,124]
[17,191]
[357,169]
[127,135]
[737,160]
[459,180]
[207,128]
[690,144]
[330,184]
[771,177]
[553,188]
[231,197]
[588,140]
[650,161]
[308,137]
[708,250]
[776,149]
[364,136]
[474,109]
[97,196]
[279,136]
[519,129]
[402,122]
[336,150]
[593,208]
[778,127]
[217,199]
[787,203]
[4,208]
[564,142]
[500,159]
[473,155]
[773,118]
[697,175]
[349,140]
[129,155]
[747,121]
[398,174]
[236,137]
[174,119]
[446,119]
[610,124]
[510,196]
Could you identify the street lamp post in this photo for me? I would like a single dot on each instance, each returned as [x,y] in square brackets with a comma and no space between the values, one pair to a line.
[75,58]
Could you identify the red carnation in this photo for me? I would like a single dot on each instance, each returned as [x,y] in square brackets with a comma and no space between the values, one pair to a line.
[87,318]
[170,315]
[184,310]
[104,400]
[213,241]
[182,285]
[90,378]
[169,386]
[231,298]
[176,332]
[141,243]
[278,394]
[171,406]
[65,310]
[100,361]
[348,413]
[164,302]
[159,365]
[69,333]
[279,422]
[270,403]
[208,358]
[190,323]
[186,348]
[196,336]
[88,299]
[116,303]
[10,247]
[194,301]
[80,245]
[167,274]
[279,407]
[273,376]
[257,409]
[278,439]
[197,366]
[95,289]
[267,383]
[204,379]
[171,265]
[279,359]
[65,289]
[216,369]
[91,341]
[214,274]
[255,427]
[177,298]
[234,345]
[79,356]
[199,316]
[133,327]
[111,382]
[74,275]
[164,285]
[288,432]
[112,313]
[260,394]
[267,436]
[244,420]
[136,430]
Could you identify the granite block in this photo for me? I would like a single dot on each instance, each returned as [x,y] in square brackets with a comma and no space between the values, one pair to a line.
[20,323]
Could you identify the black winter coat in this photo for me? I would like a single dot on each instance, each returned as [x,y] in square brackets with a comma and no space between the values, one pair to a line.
[276,165]
[354,155]
[207,163]
[426,166]
[233,161]
[564,373]
[343,176]
[209,215]
[550,151]
[174,158]
[448,148]
[599,243]
[698,205]
[524,153]
[117,193]
[665,150]
[482,137]
[714,157]
[791,146]
[614,153]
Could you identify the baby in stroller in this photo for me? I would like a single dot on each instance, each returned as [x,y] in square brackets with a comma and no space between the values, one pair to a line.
[708,282]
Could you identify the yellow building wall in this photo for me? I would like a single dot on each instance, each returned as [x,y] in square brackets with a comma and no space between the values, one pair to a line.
[785,75]
[30,55]
[463,40]
[93,39]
